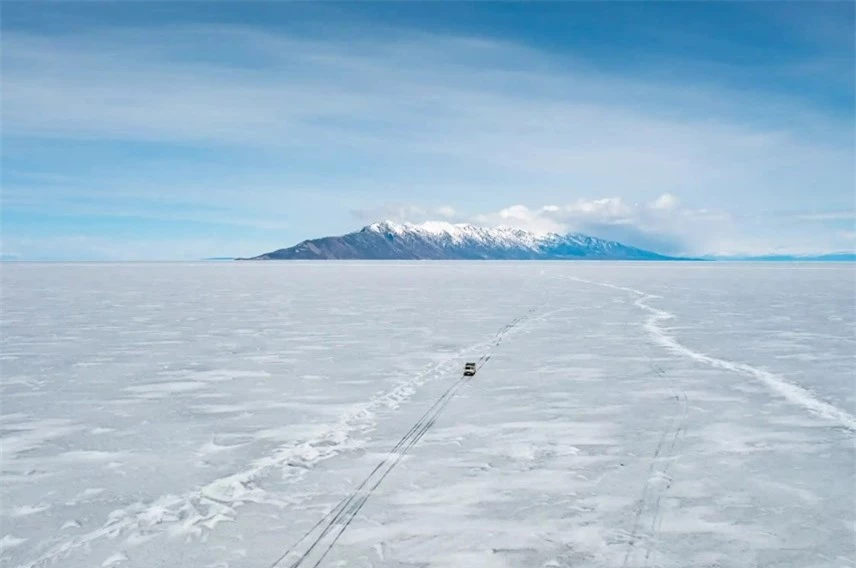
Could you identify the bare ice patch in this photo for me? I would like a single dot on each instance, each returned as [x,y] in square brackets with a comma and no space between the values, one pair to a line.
[10,541]
[164,389]
[21,437]
[27,510]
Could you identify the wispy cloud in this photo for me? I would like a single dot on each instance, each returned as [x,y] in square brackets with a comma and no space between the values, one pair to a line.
[402,212]
[495,102]
[302,133]
[829,216]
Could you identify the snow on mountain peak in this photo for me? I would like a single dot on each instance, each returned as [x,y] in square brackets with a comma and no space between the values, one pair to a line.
[441,228]
[501,237]
[459,232]
[386,227]
[444,240]
[446,228]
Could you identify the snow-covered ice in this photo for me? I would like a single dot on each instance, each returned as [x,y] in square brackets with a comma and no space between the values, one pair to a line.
[626,414]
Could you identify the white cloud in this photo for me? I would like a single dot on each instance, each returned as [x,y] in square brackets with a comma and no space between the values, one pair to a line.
[607,208]
[665,201]
[447,212]
[666,230]
[669,230]
[519,216]
[442,99]
[316,128]
[559,218]
[660,225]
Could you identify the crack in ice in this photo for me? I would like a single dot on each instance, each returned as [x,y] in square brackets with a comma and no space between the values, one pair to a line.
[778,384]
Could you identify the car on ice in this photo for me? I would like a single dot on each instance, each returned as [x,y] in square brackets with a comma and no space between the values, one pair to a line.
[469,369]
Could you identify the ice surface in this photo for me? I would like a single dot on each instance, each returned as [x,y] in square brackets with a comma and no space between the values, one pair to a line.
[630,414]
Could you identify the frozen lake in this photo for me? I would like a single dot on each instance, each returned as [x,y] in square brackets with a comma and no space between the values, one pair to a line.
[626,414]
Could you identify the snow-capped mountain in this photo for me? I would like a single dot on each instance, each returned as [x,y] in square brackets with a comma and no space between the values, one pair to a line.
[446,241]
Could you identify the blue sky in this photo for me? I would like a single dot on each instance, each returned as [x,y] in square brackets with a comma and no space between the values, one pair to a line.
[182,130]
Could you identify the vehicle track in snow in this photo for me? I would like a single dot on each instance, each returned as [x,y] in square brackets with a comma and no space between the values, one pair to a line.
[648,507]
[198,511]
[319,540]
[647,518]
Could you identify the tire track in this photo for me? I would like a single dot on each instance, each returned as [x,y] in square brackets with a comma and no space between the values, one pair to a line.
[323,535]
[680,433]
[203,506]
[358,505]
[652,494]
[778,385]
[345,510]
[650,505]
[647,511]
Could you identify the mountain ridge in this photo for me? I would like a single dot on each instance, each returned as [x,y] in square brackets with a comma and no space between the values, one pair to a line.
[437,240]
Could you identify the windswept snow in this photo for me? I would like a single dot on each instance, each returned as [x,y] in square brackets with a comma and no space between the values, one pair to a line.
[631,414]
